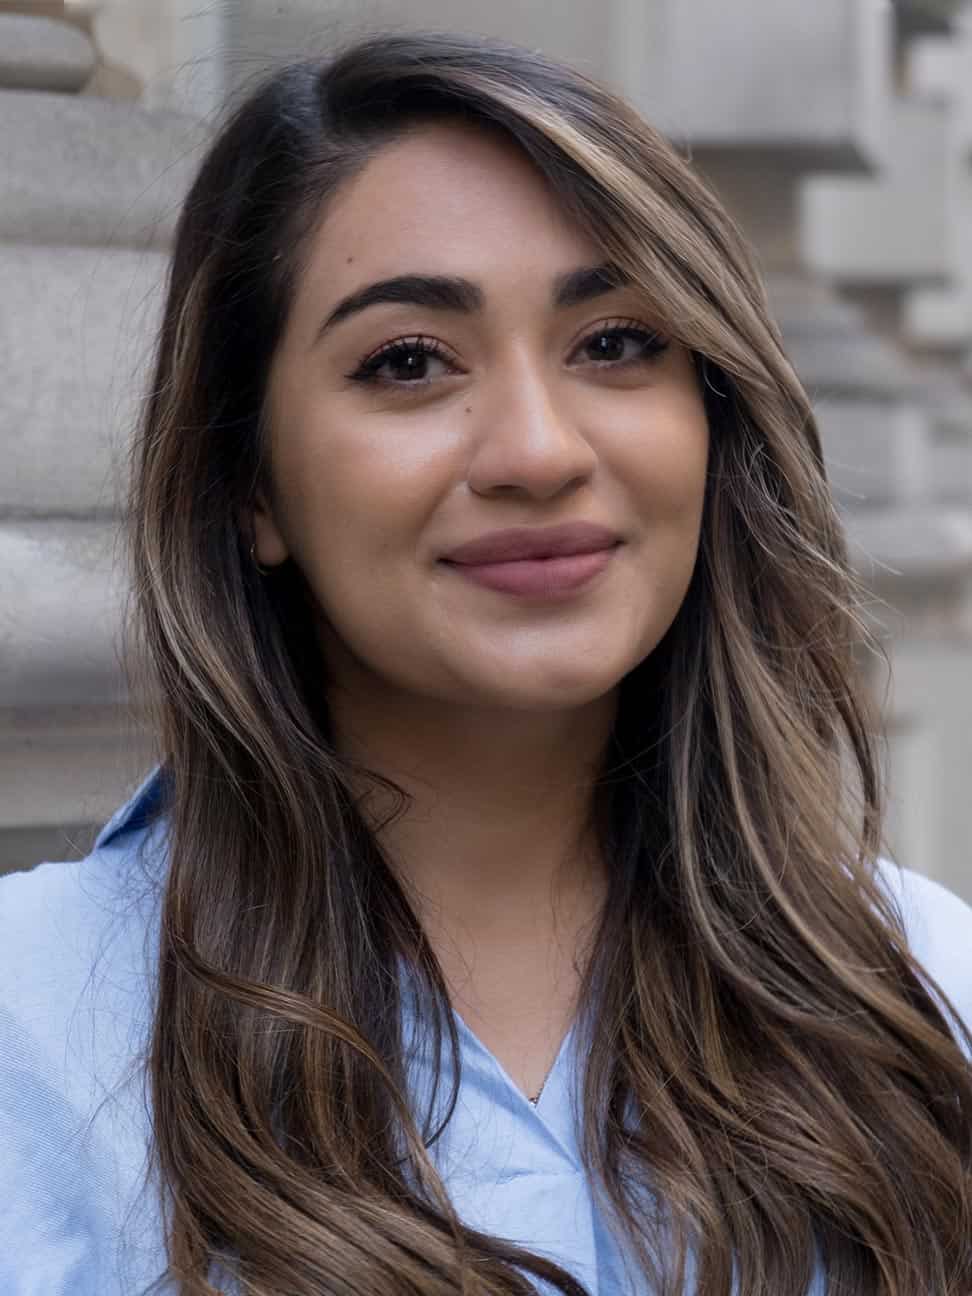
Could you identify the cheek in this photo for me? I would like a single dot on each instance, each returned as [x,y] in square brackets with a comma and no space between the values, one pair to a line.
[671,482]
[338,497]
[355,521]
[666,463]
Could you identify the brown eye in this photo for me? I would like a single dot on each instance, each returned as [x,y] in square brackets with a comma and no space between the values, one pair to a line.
[406,361]
[623,345]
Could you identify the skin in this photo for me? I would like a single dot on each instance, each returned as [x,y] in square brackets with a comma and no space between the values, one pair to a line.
[492,711]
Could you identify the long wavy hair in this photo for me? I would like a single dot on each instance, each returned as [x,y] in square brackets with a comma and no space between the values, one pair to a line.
[773,1082]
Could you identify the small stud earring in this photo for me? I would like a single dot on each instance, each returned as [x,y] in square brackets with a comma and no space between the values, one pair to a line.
[262,570]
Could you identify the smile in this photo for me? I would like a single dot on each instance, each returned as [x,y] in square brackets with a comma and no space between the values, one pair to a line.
[547,578]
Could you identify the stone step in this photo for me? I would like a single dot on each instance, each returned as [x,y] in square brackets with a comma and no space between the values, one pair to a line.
[39,53]
[76,333]
[62,596]
[805,307]
[835,349]
[900,551]
[83,170]
[791,81]
[44,8]
[25,848]
[917,18]
[877,452]
[938,317]
[838,362]
[890,229]
[950,471]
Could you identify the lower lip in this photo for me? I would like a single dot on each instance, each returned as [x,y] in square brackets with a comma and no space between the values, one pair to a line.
[538,577]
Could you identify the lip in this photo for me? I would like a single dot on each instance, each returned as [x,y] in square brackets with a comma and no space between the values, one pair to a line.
[548,579]
[521,544]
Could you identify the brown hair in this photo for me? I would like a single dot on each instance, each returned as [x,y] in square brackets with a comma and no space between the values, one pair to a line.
[768,1065]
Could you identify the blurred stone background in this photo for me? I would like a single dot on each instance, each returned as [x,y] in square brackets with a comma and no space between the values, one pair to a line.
[840,135]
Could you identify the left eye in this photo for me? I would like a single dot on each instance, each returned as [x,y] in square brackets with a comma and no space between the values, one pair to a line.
[647,346]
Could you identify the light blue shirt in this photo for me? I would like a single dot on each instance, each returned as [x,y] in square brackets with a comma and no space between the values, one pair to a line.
[76,954]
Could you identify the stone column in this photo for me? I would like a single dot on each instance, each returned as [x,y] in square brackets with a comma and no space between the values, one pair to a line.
[939,316]
[176,49]
[897,243]
[89,189]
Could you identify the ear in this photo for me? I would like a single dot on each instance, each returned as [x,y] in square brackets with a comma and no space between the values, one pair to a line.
[270,548]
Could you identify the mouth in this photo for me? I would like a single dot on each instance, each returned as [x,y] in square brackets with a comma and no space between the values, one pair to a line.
[521,543]
[554,577]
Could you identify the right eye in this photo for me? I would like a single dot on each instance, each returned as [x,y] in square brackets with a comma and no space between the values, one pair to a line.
[408,356]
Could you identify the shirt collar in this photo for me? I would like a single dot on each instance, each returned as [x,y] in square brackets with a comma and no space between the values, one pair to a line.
[141,807]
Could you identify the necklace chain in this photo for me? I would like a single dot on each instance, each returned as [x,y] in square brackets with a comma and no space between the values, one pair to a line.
[536,1098]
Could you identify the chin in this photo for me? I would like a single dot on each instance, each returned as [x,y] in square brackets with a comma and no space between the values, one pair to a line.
[543,694]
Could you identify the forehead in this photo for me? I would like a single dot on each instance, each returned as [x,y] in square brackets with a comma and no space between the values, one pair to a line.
[448,198]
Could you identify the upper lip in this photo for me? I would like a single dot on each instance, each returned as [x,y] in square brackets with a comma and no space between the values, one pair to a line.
[534,542]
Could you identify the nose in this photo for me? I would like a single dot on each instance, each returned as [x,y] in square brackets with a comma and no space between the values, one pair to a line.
[526,440]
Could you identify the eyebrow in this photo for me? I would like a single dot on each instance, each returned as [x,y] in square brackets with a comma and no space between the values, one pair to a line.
[450,293]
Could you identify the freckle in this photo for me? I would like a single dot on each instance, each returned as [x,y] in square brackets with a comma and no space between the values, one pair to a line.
[468,409]
[349,260]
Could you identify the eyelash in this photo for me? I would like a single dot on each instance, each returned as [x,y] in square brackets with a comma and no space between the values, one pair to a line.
[403,348]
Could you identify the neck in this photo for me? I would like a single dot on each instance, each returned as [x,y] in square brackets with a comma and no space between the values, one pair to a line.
[498,836]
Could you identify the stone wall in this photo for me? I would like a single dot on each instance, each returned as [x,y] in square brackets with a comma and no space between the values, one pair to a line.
[89,188]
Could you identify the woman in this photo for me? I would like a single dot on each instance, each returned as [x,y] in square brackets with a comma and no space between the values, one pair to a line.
[505,911]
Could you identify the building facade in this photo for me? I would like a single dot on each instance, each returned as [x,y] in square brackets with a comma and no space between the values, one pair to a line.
[839,134]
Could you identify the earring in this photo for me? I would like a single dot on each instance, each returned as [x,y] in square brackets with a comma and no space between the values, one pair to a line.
[262,570]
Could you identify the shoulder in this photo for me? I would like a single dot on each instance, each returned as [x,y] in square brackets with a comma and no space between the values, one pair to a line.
[938,925]
[60,920]
[76,977]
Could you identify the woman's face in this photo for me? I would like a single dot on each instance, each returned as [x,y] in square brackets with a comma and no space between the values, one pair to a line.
[494,398]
